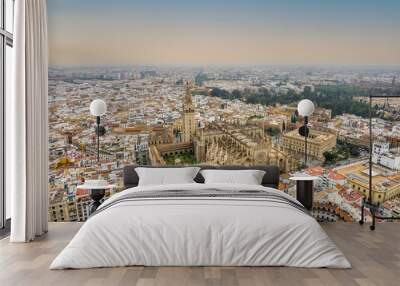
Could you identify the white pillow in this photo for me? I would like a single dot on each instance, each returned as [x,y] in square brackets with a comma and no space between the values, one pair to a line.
[247,177]
[166,176]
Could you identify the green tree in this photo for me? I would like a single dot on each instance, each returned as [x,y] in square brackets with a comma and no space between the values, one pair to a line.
[354,151]
[272,131]
[330,157]
[338,98]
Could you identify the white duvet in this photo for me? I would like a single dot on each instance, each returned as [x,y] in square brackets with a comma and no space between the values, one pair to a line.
[193,231]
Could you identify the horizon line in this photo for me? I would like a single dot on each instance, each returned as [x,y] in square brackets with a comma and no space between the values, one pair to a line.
[391,66]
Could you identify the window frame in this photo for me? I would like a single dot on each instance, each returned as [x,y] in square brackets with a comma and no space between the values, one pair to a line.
[6,39]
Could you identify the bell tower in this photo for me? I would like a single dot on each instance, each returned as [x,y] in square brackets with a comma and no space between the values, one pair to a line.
[188,116]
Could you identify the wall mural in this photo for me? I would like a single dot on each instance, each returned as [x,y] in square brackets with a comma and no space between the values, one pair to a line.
[174,110]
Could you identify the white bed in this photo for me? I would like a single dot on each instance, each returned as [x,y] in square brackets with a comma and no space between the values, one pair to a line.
[202,231]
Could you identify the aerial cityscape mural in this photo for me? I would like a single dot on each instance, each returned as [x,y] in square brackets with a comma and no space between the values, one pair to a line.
[180,91]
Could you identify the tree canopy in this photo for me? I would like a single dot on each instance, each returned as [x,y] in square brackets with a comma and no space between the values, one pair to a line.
[338,98]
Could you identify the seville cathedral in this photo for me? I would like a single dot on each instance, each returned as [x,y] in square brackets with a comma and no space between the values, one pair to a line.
[217,143]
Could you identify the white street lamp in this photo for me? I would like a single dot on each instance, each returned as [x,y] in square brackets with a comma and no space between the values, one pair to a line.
[98,108]
[305,108]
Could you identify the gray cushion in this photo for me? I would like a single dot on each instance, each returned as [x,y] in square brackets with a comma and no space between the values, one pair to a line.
[270,179]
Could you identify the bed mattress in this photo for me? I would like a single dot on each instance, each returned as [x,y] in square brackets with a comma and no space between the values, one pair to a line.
[201,225]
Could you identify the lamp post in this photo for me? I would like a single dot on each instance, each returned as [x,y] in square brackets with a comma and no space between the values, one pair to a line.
[305,109]
[98,108]
[97,188]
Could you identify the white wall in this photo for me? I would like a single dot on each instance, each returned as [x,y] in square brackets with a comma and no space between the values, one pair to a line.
[8,87]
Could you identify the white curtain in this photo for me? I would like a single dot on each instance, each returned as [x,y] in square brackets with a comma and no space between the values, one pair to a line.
[27,123]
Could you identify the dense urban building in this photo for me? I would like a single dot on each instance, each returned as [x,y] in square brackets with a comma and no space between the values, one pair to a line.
[318,142]
[155,118]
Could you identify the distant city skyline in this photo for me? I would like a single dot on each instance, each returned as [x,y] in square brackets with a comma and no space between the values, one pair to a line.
[255,32]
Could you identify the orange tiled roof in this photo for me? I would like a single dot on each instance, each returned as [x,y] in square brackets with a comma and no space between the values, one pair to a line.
[315,171]
[350,197]
[81,192]
[335,176]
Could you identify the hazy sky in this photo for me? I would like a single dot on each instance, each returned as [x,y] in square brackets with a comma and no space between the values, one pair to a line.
[216,32]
